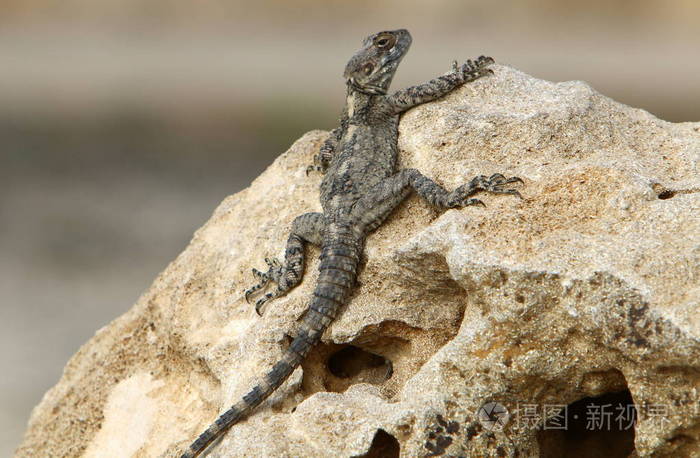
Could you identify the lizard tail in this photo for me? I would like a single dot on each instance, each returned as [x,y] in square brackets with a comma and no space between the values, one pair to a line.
[337,275]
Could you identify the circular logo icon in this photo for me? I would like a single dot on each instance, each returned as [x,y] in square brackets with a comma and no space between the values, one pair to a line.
[493,416]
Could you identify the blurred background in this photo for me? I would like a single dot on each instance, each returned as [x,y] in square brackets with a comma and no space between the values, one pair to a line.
[123,123]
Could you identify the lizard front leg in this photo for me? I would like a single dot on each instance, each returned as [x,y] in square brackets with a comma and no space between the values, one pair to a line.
[307,228]
[372,209]
[323,159]
[405,99]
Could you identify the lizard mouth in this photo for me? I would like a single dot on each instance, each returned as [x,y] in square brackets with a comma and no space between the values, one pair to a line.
[370,89]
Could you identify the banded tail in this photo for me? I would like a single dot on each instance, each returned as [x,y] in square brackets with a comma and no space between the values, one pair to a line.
[337,274]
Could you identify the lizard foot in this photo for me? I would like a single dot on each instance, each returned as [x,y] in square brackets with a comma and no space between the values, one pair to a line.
[274,273]
[313,168]
[495,184]
[321,160]
[473,69]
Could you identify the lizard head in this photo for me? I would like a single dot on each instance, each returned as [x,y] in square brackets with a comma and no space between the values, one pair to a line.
[372,68]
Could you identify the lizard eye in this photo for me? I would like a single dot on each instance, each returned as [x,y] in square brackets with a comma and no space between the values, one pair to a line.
[384,41]
[367,69]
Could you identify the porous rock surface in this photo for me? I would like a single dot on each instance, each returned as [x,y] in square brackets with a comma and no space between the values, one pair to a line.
[589,285]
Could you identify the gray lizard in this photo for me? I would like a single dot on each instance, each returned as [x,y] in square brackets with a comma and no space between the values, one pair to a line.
[360,188]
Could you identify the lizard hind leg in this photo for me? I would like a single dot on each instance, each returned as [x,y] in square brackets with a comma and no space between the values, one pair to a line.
[307,228]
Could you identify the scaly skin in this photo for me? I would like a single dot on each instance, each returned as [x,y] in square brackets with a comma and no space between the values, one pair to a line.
[360,189]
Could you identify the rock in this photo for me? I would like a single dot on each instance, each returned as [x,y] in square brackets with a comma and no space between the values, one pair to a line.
[582,296]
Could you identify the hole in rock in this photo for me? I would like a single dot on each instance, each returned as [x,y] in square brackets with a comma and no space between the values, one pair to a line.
[383,355]
[591,427]
[384,445]
[355,363]
[662,192]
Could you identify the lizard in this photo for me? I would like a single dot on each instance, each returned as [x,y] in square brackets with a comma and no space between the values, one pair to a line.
[360,188]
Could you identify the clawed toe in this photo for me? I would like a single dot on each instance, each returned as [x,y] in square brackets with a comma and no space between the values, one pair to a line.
[494,184]
[513,192]
[499,179]
[250,292]
[274,273]
[263,280]
[259,275]
[482,61]
[497,187]
[473,69]
[473,201]
[261,302]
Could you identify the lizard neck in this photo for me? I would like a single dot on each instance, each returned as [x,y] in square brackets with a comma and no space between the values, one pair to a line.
[357,103]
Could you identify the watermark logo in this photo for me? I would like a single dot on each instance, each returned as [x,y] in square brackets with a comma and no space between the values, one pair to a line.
[493,416]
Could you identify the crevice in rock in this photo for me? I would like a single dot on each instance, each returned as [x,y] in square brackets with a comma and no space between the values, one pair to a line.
[353,362]
[333,367]
[683,445]
[426,275]
[664,193]
[384,445]
[385,355]
[592,427]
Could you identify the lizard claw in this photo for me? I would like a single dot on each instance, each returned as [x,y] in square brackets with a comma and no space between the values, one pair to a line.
[496,182]
[321,160]
[515,180]
[483,61]
[253,289]
[258,308]
[274,273]
[248,293]
[469,202]
[499,179]
[260,302]
[473,69]
[263,279]
[461,197]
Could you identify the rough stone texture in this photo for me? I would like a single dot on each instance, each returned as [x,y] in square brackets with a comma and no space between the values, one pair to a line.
[589,285]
